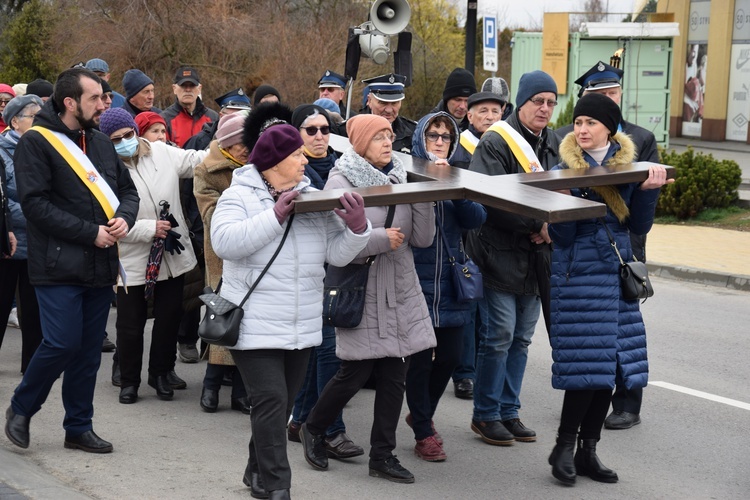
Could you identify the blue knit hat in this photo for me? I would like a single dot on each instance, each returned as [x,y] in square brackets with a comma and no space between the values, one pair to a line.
[533,83]
[114,119]
[134,81]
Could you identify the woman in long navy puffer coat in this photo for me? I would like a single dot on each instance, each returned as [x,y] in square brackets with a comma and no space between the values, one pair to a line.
[596,335]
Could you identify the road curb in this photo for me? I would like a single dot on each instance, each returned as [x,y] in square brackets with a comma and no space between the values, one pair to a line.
[21,478]
[701,276]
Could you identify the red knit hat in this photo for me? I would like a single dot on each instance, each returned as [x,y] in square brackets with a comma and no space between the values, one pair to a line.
[146,119]
[362,128]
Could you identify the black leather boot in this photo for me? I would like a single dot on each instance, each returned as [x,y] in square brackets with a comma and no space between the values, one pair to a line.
[561,459]
[254,482]
[587,463]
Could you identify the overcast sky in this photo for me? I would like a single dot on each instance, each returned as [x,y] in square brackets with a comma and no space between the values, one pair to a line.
[529,13]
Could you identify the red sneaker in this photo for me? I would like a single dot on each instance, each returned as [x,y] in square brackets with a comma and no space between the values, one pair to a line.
[430,450]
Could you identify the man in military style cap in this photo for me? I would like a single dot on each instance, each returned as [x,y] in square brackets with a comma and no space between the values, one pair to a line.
[605,79]
[333,86]
[384,99]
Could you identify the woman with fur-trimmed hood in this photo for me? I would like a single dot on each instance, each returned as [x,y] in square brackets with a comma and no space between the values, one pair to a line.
[596,335]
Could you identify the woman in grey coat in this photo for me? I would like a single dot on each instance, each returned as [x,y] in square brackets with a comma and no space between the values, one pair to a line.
[396,322]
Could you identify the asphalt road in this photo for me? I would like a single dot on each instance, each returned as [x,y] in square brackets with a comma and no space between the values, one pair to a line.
[690,445]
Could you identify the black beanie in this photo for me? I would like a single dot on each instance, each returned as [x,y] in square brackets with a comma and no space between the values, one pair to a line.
[600,108]
[262,92]
[460,83]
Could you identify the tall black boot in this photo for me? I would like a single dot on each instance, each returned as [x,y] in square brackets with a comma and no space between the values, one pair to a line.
[561,459]
[587,463]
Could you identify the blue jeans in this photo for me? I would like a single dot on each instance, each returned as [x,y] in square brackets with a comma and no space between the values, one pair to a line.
[502,354]
[471,331]
[322,367]
[73,322]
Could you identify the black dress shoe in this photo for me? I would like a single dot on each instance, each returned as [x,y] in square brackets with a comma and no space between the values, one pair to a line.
[619,419]
[390,469]
[161,384]
[88,442]
[464,388]
[129,395]
[341,446]
[279,495]
[209,400]
[314,448]
[17,428]
[493,432]
[242,404]
[255,483]
[520,431]
[292,432]
[108,345]
[176,382]
[116,377]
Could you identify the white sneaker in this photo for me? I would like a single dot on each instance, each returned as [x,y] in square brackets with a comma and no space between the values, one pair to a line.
[13,318]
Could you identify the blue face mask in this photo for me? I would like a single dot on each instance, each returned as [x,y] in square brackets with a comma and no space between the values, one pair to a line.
[127,147]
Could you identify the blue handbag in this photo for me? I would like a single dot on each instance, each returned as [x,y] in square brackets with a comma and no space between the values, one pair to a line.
[466,276]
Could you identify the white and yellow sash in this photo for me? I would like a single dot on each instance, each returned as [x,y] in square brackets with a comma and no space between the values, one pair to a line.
[469,141]
[84,169]
[521,149]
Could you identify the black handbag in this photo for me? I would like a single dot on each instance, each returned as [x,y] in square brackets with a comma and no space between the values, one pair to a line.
[221,322]
[466,276]
[634,280]
[344,289]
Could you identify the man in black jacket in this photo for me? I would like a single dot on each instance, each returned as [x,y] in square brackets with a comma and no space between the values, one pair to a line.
[79,201]
[512,252]
[605,79]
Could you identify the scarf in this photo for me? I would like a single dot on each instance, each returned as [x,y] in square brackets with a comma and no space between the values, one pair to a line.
[361,173]
[226,154]
[572,155]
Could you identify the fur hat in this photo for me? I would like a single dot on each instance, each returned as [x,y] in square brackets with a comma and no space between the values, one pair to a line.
[229,131]
[274,145]
[601,108]
[533,83]
[362,128]
[114,119]
[146,119]
[134,81]
[261,117]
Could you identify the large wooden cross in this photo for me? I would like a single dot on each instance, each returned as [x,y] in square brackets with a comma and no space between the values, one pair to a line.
[531,194]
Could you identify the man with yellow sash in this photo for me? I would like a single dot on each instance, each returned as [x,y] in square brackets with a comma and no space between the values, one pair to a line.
[512,251]
[79,201]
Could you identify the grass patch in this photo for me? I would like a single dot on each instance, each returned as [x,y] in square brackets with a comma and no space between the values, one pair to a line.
[734,218]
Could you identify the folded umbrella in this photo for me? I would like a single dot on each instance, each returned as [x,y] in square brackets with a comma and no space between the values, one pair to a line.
[157,250]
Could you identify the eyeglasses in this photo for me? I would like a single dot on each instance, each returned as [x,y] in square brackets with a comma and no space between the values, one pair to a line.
[127,136]
[434,136]
[383,137]
[25,116]
[4,101]
[311,131]
[539,101]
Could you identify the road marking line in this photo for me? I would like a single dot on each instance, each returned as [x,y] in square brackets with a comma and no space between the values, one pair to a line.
[701,394]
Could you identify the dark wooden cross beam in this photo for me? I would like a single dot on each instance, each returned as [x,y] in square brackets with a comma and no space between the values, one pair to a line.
[531,194]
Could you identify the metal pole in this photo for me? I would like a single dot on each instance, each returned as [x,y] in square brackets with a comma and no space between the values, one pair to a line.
[471,34]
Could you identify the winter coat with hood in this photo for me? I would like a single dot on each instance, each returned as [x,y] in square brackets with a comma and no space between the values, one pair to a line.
[156,170]
[433,263]
[594,332]
[8,142]
[62,215]
[396,322]
[502,247]
[285,311]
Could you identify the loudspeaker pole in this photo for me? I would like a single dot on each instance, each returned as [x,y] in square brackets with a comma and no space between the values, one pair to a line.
[471,35]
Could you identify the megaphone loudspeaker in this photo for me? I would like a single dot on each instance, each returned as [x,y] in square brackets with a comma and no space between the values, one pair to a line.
[390,16]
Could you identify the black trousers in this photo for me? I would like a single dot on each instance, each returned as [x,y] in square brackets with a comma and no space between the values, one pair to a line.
[272,378]
[585,410]
[14,274]
[131,321]
[427,378]
[390,377]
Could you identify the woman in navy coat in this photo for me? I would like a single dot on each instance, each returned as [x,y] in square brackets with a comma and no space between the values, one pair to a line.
[596,335]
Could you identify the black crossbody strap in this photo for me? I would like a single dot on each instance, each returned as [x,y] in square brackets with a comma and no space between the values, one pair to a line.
[445,240]
[612,241]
